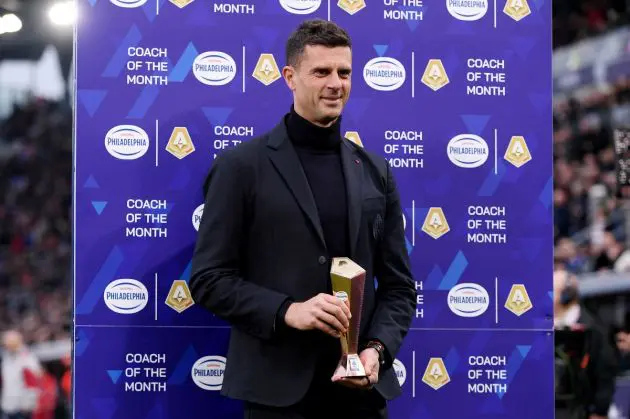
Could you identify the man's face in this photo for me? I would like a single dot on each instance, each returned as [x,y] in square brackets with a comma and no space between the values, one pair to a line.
[12,341]
[559,278]
[321,82]
[623,342]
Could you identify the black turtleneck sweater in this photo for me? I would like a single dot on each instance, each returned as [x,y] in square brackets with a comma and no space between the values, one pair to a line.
[319,151]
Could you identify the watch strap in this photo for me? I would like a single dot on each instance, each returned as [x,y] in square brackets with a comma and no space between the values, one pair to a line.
[378,346]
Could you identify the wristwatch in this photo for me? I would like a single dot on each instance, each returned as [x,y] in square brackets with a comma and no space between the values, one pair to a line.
[378,346]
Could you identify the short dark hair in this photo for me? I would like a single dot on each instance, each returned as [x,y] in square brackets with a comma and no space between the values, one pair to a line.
[315,32]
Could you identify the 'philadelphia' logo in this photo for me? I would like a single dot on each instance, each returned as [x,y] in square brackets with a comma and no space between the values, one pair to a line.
[127,142]
[401,371]
[467,9]
[468,300]
[214,68]
[384,73]
[128,3]
[196,217]
[207,372]
[126,296]
[467,150]
[300,7]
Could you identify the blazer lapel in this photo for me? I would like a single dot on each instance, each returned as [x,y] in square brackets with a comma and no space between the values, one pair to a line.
[352,169]
[287,162]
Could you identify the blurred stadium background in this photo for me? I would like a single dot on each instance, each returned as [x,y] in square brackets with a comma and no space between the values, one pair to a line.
[592,224]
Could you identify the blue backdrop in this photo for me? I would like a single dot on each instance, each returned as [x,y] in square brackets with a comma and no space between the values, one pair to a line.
[456,94]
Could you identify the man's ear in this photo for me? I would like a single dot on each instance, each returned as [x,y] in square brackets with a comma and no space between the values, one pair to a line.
[288,72]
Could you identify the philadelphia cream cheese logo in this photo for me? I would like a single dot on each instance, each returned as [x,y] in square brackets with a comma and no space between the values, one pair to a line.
[214,68]
[196,217]
[468,151]
[401,371]
[207,372]
[128,3]
[384,73]
[126,296]
[468,10]
[127,142]
[300,7]
[468,300]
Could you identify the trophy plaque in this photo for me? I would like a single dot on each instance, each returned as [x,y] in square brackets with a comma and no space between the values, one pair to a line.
[348,281]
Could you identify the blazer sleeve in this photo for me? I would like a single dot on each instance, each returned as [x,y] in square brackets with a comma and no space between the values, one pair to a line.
[217,281]
[396,293]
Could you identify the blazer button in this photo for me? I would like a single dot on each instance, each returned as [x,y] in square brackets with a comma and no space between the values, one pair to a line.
[322,260]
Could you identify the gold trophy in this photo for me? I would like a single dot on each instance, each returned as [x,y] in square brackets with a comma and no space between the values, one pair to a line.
[348,281]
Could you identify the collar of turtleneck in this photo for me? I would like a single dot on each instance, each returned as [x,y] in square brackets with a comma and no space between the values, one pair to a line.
[305,134]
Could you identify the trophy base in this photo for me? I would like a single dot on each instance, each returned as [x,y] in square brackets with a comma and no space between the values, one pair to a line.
[350,366]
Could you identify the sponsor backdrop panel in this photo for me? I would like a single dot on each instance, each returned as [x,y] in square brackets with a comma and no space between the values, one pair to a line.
[480,19]
[151,373]
[475,374]
[470,144]
[445,91]
[143,375]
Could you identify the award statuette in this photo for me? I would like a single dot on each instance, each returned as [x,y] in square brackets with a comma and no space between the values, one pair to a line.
[348,281]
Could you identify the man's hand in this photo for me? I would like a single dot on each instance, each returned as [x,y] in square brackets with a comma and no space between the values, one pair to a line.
[369,358]
[324,312]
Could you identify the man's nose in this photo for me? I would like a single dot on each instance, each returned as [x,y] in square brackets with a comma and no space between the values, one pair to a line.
[334,81]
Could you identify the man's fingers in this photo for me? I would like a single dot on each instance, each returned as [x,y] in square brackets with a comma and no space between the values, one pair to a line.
[373,378]
[343,305]
[331,320]
[325,327]
[335,311]
[356,382]
[350,381]
[369,368]
[369,364]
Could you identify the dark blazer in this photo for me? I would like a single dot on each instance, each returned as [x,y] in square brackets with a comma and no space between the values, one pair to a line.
[260,242]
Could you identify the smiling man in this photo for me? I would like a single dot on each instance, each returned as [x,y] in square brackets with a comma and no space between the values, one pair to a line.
[277,210]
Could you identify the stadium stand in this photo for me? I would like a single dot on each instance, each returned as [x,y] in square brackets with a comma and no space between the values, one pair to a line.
[576,20]
[35,240]
[35,252]
[589,218]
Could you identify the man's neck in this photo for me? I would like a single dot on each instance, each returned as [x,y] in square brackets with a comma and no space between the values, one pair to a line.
[306,134]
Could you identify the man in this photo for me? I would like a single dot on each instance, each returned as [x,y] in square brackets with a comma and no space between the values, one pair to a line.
[622,341]
[21,372]
[277,210]
[593,366]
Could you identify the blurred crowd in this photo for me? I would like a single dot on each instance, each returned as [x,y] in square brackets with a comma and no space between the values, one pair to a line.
[574,20]
[588,215]
[35,257]
[35,202]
